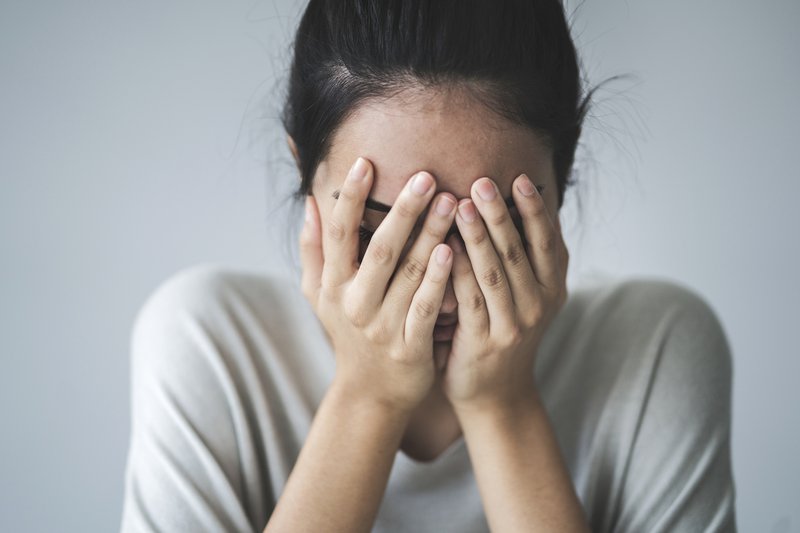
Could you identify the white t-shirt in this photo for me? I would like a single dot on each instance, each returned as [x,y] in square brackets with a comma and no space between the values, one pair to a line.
[228,368]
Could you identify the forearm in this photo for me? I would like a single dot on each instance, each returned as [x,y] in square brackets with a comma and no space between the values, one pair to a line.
[521,476]
[340,476]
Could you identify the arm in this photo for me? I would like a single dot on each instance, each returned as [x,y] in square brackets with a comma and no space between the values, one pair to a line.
[380,327]
[340,476]
[508,293]
[521,475]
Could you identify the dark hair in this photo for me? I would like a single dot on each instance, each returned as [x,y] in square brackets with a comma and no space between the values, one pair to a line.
[515,56]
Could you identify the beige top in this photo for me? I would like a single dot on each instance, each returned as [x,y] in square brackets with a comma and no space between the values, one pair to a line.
[228,368]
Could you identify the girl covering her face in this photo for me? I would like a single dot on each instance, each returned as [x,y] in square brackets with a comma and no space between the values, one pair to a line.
[429,370]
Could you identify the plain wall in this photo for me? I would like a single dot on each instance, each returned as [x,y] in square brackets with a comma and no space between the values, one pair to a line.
[138,138]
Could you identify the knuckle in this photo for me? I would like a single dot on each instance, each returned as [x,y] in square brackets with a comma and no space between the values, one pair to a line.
[493,277]
[432,232]
[475,301]
[405,210]
[424,309]
[306,239]
[547,243]
[526,321]
[514,254]
[478,237]
[327,290]
[336,231]
[380,252]
[462,269]
[514,335]
[377,332]
[399,356]
[413,269]
[498,219]
[355,314]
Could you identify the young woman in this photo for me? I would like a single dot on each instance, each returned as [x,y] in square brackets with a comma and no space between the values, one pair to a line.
[430,371]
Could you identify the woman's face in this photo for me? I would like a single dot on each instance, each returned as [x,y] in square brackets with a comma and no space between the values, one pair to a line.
[454,138]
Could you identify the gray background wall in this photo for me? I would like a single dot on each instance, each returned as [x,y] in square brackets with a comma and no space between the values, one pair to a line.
[137,138]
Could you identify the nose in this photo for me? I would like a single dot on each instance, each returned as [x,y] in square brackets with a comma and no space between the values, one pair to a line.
[449,303]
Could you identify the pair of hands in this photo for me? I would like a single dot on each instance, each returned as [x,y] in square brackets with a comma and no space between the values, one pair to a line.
[380,315]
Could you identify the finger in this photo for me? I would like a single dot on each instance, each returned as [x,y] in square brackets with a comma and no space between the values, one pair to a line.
[311,252]
[508,244]
[487,266]
[541,234]
[407,278]
[472,313]
[388,241]
[427,301]
[340,238]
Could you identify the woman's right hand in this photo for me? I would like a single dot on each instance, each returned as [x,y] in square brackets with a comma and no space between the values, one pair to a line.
[379,316]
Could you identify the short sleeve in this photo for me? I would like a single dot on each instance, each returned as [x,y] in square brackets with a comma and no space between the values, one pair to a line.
[679,477]
[183,469]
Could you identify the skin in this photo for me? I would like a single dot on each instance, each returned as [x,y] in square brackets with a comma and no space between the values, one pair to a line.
[458,141]
[503,283]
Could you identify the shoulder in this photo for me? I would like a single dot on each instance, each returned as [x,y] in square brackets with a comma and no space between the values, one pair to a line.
[195,393]
[662,333]
[198,287]
[658,295]
[211,291]
[646,307]
[621,334]
[644,297]
[208,311]
[674,399]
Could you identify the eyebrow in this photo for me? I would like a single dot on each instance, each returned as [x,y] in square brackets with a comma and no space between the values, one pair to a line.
[383,208]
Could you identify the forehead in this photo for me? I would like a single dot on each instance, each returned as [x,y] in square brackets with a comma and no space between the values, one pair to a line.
[453,137]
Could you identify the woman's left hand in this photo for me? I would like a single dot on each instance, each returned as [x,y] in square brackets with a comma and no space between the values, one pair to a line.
[508,291]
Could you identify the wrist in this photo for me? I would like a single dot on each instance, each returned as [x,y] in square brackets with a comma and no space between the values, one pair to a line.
[506,407]
[351,396]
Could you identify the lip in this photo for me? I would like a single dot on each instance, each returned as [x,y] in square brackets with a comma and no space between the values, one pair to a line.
[443,332]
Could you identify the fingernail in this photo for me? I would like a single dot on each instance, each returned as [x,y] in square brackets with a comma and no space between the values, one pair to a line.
[525,186]
[466,210]
[486,190]
[359,170]
[445,206]
[421,184]
[442,254]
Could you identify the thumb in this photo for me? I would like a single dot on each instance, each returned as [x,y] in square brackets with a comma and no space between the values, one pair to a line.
[311,252]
